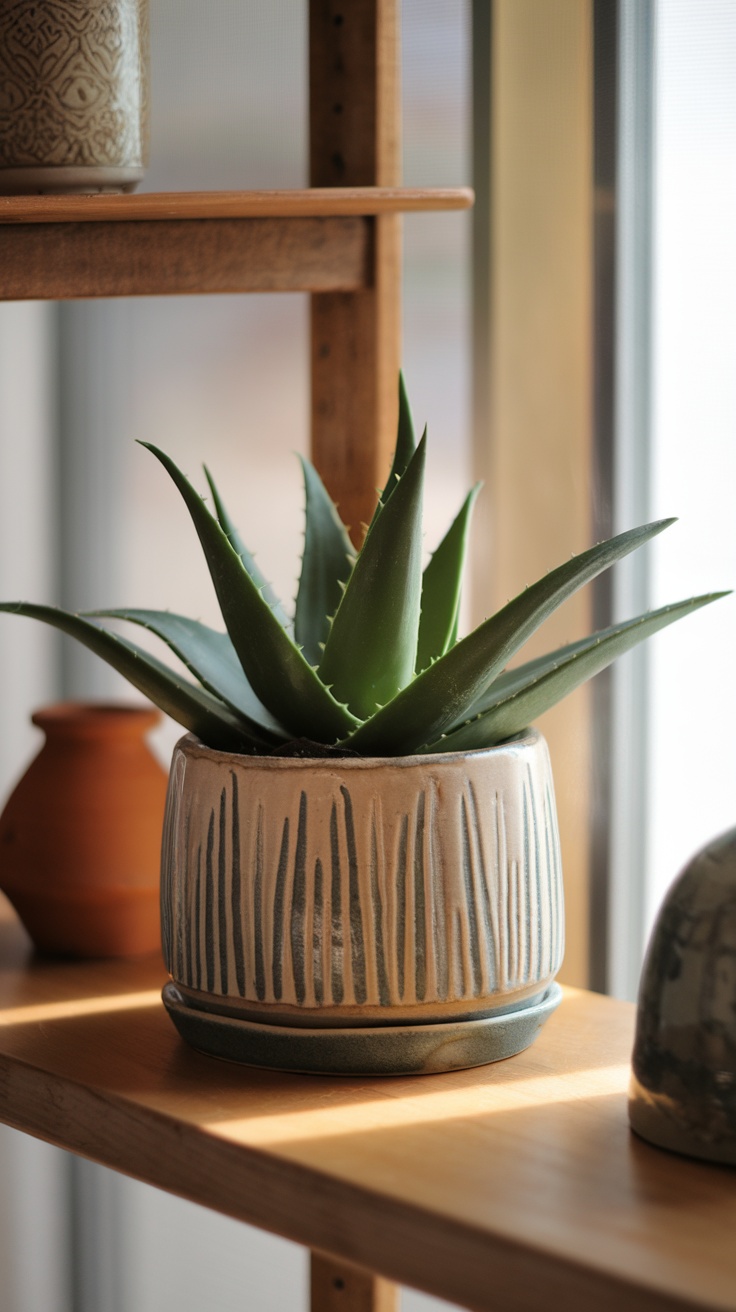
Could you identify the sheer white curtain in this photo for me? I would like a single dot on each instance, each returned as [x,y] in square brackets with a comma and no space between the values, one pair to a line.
[675,726]
[692,755]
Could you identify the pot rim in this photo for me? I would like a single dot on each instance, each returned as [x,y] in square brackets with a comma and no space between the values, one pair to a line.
[193,746]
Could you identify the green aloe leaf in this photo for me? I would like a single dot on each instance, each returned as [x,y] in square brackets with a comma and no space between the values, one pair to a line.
[211,658]
[326,564]
[273,665]
[405,445]
[442,587]
[440,698]
[525,698]
[371,650]
[248,559]
[197,710]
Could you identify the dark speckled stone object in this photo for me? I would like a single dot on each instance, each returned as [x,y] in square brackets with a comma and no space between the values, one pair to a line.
[683,1087]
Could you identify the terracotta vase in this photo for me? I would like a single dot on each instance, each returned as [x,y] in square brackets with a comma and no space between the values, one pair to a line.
[73,95]
[362,915]
[80,836]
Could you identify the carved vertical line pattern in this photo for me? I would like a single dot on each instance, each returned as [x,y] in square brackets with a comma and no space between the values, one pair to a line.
[420,927]
[222,897]
[554,883]
[198,916]
[357,943]
[489,970]
[336,937]
[551,935]
[435,909]
[524,909]
[513,921]
[309,914]
[209,908]
[439,903]
[174,954]
[277,956]
[401,905]
[557,888]
[167,903]
[433,879]
[259,971]
[297,918]
[494,892]
[390,838]
[171,860]
[542,925]
[503,898]
[188,910]
[410,928]
[386,875]
[384,996]
[461,973]
[471,918]
[430,881]
[236,895]
[318,934]
[180,875]
[534,885]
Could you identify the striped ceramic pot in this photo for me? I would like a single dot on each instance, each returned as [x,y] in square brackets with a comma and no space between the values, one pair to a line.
[362,915]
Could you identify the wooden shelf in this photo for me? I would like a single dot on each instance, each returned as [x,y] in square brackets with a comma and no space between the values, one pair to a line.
[316,240]
[518,1185]
[319,202]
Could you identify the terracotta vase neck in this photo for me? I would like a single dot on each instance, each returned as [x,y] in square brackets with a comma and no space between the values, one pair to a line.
[95,720]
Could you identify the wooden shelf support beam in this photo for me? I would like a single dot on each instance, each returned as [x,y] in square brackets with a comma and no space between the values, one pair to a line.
[355,141]
[337,1287]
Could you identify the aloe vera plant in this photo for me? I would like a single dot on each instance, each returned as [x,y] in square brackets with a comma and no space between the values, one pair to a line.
[371,662]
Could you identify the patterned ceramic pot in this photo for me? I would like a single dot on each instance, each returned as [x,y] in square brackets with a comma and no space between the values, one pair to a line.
[362,915]
[73,95]
[683,1084]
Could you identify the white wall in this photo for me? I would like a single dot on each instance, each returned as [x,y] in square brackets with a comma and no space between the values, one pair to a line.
[34,1197]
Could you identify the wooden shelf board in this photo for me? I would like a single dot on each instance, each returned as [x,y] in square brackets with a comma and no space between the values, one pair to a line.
[518,1185]
[315,202]
[319,240]
[71,260]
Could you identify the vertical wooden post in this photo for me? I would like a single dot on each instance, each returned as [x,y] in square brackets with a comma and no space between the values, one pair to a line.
[336,1287]
[355,140]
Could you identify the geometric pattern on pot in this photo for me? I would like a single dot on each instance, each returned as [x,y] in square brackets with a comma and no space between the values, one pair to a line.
[424,884]
[74,78]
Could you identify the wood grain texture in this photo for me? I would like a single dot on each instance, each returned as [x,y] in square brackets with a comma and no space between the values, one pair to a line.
[67,261]
[324,202]
[517,1185]
[355,140]
[336,1287]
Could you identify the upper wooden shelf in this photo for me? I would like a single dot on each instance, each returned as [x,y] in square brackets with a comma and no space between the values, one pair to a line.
[518,1185]
[314,202]
[316,240]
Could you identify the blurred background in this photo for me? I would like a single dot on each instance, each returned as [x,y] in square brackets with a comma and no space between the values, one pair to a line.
[87,518]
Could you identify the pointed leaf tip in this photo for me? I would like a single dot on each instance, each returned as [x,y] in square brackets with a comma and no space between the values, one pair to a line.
[371,649]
